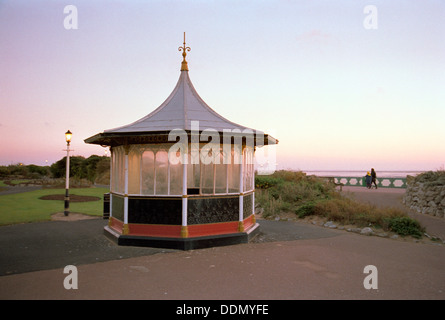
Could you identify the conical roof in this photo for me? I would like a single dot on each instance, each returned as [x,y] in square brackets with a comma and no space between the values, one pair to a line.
[183,109]
[183,106]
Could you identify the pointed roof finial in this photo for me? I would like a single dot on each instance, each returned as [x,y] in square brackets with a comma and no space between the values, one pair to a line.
[184,66]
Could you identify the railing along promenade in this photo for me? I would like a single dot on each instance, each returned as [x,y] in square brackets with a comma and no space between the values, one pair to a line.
[399,183]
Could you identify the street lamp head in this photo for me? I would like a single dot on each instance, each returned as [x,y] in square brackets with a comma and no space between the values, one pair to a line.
[68,136]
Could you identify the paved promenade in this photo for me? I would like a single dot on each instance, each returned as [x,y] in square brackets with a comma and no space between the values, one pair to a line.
[290,260]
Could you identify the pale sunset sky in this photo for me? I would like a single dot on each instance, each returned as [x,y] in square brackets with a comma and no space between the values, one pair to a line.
[340,87]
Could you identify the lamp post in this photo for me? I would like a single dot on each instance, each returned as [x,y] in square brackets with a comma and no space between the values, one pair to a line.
[68,136]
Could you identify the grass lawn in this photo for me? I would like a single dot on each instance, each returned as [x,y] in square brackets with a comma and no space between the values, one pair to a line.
[27,207]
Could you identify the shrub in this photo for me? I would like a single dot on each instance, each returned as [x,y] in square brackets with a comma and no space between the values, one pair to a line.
[271,208]
[305,210]
[266,182]
[405,226]
[290,176]
[290,191]
[348,211]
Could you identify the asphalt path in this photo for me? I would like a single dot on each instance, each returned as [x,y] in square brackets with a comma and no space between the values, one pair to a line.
[55,244]
[286,261]
[18,189]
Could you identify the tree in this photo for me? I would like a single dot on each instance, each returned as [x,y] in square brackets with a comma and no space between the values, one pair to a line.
[80,167]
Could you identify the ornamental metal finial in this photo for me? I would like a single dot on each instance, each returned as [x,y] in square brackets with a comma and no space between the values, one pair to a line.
[184,66]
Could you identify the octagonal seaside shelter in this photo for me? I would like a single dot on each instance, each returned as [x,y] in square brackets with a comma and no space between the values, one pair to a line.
[182,177]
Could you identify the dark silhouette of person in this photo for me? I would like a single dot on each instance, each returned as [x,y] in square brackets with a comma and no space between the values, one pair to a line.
[373,176]
[368,180]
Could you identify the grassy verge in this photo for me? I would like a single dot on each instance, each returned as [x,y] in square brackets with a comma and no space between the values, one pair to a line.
[27,207]
[302,196]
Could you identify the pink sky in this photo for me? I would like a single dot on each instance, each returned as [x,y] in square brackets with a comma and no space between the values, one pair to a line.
[336,95]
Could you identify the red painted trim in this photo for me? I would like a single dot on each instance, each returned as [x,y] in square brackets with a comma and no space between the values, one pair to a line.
[199,230]
[155,230]
[174,231]
[248,222]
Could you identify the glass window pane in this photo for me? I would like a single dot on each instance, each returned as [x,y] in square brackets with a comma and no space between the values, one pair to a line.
[244,169]
[161,160]
[251,168]
[221,178]
[147,176]
[221,175]
[113,170]
[233,174]
[248,169]
[176,179]
[134,171]
[118,173]
[193,178]
[207,178]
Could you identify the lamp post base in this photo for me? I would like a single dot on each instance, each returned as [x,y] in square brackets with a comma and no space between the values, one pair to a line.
[67,203]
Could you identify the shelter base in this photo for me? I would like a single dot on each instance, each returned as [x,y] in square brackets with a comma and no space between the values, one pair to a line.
[183,243]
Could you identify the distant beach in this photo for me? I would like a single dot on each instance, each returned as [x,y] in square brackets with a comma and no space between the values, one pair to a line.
[358,173]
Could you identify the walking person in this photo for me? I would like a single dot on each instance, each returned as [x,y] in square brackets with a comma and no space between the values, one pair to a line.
[368,180]
[374,177]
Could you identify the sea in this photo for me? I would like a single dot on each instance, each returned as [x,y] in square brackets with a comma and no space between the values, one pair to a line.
[348,173]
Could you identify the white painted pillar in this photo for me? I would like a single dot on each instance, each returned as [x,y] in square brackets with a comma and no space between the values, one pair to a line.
[184,229]
[125,229]
[111,186]
[253,185]
[241,191]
